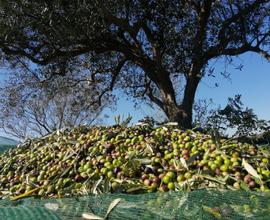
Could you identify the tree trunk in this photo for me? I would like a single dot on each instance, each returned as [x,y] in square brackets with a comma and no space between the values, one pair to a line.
[182,114]
[189,97]
[170,106]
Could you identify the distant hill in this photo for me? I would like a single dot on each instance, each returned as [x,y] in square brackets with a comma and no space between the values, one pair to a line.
[6,143]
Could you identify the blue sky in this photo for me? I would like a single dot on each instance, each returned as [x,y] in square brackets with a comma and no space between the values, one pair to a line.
[253,82]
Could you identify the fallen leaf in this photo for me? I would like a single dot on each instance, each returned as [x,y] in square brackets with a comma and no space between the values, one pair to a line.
[184,163]
[244,186]
[112,205]
[91,216]
[250,169]
[214,211]
[29,193]
[52,206]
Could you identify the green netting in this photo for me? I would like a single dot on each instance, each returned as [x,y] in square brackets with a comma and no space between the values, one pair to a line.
[5,147]
[199,204]
[6,143]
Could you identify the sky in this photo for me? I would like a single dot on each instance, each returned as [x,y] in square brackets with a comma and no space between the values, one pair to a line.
[252,82]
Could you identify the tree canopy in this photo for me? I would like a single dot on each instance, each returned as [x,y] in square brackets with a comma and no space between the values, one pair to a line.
[154,50]
[33,105]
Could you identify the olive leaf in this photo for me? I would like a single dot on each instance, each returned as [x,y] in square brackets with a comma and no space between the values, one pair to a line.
[184,163]
[250,169]
[171,124]
[52,206]
[143,160]
[95,186]
[136,189]
[214,211]
[215,179]
[165,129]
[92,216]
[244,186]
[113,204]
[26,194]
[149,149]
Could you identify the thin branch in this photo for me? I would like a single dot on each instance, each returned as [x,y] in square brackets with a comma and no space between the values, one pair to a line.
[220,49]
[38,121]
[262,52]
[202,27]
[116,72]
[156,100]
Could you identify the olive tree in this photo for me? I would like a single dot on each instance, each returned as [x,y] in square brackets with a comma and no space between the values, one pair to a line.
[241,121]
[33,105]
[156,51]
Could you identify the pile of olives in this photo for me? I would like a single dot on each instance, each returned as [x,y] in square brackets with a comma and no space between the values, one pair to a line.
[135,159]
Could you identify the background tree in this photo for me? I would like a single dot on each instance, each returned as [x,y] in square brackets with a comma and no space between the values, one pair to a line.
[234,117]
[203,109]
[147,48]
[33,105]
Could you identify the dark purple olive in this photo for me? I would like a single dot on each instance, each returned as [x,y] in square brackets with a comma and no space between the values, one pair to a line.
[164,188]
[78,178]
[117,169]
[108,148]
[100,165]
[147,182]
[144,177]
[155,180]
[148,170]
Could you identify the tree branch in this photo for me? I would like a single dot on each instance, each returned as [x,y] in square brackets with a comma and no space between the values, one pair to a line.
[262,52]
[154,99]
[220,48]
[202,27]
[116,72]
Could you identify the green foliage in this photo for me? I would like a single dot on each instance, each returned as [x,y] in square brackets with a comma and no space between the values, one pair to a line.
[234,116]
[123,122]
[34,105]
[144,48]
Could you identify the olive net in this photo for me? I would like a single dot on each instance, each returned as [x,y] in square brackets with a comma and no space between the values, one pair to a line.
[5,147]
[198,204]
[6,143]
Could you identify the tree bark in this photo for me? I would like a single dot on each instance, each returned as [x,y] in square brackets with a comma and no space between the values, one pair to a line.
[189,95]
[182,114]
